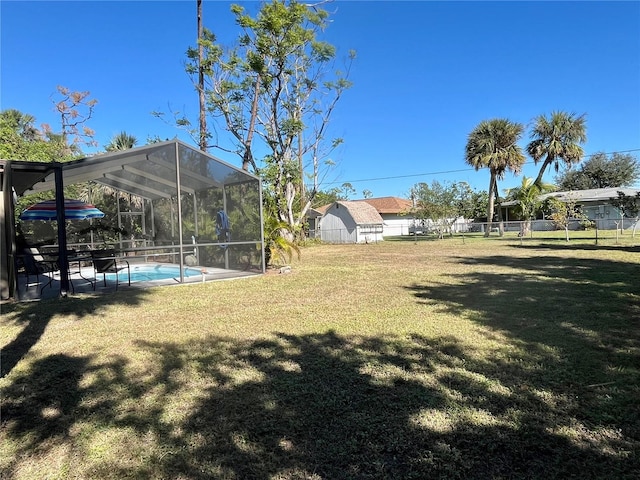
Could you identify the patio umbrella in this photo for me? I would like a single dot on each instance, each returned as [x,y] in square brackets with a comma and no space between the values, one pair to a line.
[73,210]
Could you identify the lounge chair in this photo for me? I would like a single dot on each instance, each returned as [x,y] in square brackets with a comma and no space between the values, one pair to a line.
[106,261]
[33,264]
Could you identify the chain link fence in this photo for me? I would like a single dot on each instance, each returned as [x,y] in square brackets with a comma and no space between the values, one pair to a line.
[601,231]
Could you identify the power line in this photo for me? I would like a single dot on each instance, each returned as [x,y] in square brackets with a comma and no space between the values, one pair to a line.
[402,176]
[444,172]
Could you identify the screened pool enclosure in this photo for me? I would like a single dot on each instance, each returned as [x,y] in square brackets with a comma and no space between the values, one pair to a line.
[164,203]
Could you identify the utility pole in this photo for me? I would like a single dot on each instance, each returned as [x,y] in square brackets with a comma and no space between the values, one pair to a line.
[203,117]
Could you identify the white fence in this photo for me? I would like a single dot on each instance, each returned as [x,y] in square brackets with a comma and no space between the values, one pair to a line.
[535,228]
[627,224]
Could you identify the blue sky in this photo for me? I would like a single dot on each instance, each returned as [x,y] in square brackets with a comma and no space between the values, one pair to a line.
[426,74]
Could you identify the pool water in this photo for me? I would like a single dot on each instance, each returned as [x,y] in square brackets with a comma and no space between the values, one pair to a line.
[148,273]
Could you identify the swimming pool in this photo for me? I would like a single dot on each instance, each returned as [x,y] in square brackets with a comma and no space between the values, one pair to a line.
[150,273]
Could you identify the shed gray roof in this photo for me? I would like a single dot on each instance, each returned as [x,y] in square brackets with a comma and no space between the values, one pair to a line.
[361,212]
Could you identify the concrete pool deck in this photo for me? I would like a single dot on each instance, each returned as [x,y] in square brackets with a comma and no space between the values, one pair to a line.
[82,282]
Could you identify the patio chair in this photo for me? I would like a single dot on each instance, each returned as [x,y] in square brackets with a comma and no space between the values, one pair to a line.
[33,263]
[106,261]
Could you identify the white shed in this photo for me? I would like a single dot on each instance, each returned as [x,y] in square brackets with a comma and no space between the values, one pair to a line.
[351,222]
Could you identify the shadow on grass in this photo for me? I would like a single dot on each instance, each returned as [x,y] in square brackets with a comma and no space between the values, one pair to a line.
[318,406]
[582,246]
[413,239]
[35,317]
[575,326]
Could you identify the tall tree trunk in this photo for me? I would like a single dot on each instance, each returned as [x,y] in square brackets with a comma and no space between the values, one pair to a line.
[490,205]
[500,219]
[303,193]
[545,164]
[203,112]
[247,159]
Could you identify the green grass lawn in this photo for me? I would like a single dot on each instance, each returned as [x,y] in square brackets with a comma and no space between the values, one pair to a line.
[441,359]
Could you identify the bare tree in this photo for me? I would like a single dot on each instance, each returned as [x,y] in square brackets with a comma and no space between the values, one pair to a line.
[274,92]
[75,109]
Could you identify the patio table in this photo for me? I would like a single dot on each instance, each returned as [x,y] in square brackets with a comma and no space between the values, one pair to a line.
[79,258]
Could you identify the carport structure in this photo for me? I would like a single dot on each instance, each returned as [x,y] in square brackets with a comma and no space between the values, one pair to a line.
[192,209]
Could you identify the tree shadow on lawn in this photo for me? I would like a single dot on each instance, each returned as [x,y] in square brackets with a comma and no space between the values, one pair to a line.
[577,245]
[430,237]
[35,317]
[319,406]
[579,317]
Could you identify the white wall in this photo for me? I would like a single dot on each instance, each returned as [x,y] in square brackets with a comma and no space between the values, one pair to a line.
[396,224]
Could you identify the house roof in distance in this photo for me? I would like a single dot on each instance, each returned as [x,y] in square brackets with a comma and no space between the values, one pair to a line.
[319,211]
[388,204]
[382,205]
[589,195]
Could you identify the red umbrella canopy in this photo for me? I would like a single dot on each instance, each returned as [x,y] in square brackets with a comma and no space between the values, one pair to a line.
[73,210]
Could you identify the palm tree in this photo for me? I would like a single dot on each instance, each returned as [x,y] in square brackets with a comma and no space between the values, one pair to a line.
[21,123]
[528,197]
[492,145]
[557,138]
[278,244]
[122,141]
